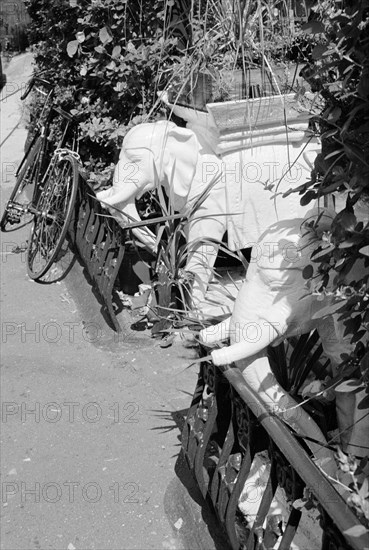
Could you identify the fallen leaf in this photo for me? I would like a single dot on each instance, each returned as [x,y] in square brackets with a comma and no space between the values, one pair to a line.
[178,524]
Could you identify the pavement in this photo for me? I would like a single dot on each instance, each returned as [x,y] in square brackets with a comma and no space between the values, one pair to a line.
[91,421]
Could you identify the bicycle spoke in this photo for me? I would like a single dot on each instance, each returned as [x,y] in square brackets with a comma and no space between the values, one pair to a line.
[54,211]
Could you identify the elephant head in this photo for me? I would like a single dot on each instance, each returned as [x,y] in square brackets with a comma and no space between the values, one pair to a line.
[152,154]
[274,303]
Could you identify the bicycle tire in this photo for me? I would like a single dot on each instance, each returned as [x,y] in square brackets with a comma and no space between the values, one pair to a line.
[54,211]
[25,179]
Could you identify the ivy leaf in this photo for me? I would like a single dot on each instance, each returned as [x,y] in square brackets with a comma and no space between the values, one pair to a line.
[313,27]
[334,114]
[364,250]
[105,35]
[81,37]
[352,241]
[357,336]
[99,49]
[354,153]
[308,197]
[73,3]
[320,252]
[116,51]
[319,51]
[308,272]
[120,87]
[330,188]
[72,47]
[344,223]
[329,310]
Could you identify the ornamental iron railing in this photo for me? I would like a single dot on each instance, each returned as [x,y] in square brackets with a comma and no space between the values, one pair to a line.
[224,430]
[99,242]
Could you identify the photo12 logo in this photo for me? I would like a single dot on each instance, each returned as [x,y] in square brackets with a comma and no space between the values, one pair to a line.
[69,491]
[69,411]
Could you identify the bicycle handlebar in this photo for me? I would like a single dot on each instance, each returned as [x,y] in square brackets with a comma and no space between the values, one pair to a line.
[36,80]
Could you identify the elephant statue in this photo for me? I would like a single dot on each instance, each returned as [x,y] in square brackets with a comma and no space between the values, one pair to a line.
[244,186]
[274,304]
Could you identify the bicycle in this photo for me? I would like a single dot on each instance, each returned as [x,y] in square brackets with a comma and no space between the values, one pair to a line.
[46,185]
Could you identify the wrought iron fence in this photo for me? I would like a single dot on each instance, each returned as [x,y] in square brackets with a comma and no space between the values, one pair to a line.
[224,430]
[99,242]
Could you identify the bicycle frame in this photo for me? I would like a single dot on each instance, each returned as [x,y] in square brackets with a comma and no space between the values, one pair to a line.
[41,173]
[40,151]
[48,113]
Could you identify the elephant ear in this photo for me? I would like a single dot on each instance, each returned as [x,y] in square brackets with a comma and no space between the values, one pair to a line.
[181,155]
[175,153]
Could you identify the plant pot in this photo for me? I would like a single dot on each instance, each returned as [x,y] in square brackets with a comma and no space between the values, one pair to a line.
[239,124]
[352,418]
[255,82]
[238,84]
[195,93]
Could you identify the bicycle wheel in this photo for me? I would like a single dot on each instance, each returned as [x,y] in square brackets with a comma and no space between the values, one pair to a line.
[52,215]
[15,214]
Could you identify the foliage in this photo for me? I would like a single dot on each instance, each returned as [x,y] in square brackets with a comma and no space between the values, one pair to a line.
[357,483]
[353,477]
[340,71]
[107,58]
[173,251]
[339,269]
[230,37]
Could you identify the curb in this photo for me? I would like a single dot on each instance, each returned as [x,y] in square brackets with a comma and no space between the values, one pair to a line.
[192,520]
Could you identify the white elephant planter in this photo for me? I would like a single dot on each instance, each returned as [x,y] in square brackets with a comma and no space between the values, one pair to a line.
[274,304]
[245,186]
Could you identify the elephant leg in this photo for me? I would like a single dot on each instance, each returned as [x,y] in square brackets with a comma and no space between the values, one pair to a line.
[201,253]
[259,376]
[216,333]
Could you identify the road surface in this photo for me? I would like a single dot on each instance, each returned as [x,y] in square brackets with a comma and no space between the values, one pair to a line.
[90,433]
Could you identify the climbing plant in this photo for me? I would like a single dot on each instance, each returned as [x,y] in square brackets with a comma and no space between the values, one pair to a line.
[339,268]
[340,71]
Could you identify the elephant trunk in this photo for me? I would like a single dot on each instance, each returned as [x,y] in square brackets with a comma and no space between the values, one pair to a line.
[249,338]
[216,333]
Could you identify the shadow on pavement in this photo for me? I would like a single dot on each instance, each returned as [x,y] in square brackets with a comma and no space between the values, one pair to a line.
[188,512]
